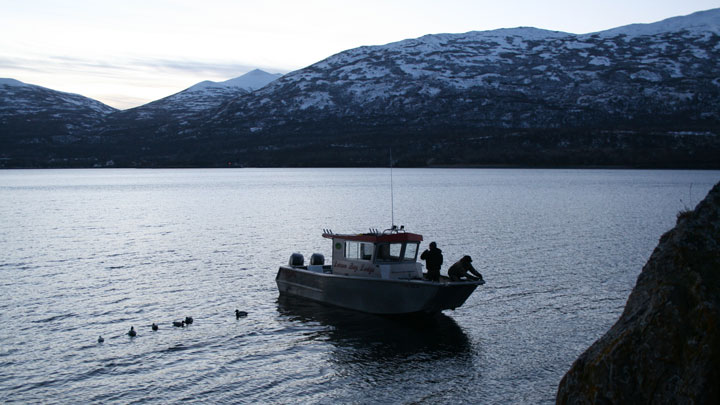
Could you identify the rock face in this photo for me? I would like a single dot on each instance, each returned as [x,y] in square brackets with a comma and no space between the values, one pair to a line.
[665,348]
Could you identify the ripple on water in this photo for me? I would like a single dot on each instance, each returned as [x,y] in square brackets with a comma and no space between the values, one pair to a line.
[560,251]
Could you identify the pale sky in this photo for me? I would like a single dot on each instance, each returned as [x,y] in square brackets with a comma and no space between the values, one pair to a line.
[127,53]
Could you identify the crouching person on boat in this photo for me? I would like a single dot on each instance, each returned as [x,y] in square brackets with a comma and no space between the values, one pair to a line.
[462,268]
[433,260]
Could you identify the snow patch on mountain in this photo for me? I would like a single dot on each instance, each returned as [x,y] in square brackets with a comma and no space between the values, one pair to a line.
[250,81]
[707,21]
[599,61]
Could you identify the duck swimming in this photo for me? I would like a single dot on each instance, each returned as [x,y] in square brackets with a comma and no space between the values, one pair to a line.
[132,332]
[179,324]
[101,339]
[154,326]
[239,314]
[188,320]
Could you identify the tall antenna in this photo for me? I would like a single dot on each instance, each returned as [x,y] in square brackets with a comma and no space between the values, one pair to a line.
[392,201]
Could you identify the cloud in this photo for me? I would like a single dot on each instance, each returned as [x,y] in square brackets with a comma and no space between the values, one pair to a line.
[120,82]
[223,69]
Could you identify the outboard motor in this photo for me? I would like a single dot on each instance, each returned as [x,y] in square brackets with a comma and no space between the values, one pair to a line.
[317,259]
[296,259]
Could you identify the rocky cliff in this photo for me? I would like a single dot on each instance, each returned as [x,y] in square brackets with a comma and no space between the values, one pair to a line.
[665,348]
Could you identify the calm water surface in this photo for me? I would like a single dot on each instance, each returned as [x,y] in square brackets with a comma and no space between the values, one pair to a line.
[92,252]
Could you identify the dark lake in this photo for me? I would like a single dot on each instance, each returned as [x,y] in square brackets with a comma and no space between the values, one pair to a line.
[85,253]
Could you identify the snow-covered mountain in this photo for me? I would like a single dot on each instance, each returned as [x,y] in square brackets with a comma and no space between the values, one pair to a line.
[701,22]
[18,98]
[467,91]
[208,95]
[34,117]
[201,97]
[159,125]
[522,77]
[639,95]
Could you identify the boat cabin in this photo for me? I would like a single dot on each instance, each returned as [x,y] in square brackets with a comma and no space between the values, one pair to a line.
[388,255]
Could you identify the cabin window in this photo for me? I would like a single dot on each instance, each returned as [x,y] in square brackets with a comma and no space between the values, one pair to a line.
[358,251]
[410,252]
[352,250]
[366,251]
[389,252]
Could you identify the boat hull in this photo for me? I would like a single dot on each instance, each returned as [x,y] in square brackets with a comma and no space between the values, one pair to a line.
[374,295]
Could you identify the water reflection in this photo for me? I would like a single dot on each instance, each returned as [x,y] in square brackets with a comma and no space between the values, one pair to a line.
[360,336]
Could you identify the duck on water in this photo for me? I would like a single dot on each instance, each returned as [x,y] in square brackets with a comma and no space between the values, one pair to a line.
[374,272]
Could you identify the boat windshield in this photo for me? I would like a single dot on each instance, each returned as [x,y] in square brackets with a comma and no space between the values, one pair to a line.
[410,252]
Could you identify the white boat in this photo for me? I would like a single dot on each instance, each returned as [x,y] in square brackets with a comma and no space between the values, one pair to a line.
[374,272]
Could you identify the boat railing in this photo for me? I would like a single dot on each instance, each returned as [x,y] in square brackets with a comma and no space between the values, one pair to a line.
[394,230]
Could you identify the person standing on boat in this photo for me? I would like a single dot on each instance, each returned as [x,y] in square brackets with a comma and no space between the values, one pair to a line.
[433,260]
[461,268]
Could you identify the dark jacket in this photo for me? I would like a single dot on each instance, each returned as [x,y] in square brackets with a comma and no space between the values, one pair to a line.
[461,269]
[433,258]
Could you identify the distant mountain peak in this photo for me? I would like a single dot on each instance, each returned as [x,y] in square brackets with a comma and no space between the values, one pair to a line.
[204,96]
[259,72]
[701,21]
[11,82]
[203,85]
[530,33]
[250,81]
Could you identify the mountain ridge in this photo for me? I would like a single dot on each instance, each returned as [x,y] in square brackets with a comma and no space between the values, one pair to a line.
[34,117]
[517,96]
[488,83]
[200,97]
[704,21]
